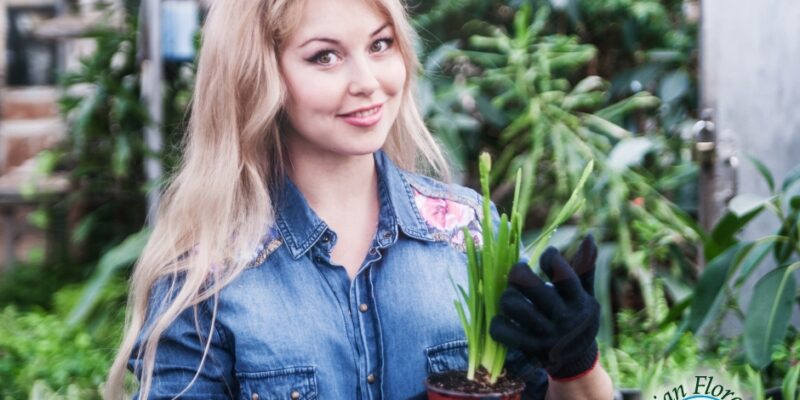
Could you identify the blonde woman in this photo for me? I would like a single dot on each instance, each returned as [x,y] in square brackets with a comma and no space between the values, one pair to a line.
[320,256]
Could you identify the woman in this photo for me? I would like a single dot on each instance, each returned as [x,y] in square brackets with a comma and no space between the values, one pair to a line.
[319,264]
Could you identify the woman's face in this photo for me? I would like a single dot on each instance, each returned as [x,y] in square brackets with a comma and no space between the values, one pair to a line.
[345,76]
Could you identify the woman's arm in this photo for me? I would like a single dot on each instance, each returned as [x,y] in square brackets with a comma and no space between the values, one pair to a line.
[179,354]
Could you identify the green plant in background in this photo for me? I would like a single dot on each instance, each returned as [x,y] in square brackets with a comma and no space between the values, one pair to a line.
[548,127]
[731,264]
[65,352]
[106,272]
[643,45]
[104,149]
[789,388]
[488,268]
[504,82]
[640,360]
[552,90]
[41,353]
[60,337]
[786,360]
[650,361]
[103,154]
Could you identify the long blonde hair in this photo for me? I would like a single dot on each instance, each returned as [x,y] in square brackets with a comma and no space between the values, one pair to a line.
[219,204]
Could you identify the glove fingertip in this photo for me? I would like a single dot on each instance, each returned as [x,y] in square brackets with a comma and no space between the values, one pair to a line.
[548,253]
[584,260]
[585,250]
[592,249]
[522,274]
[548,259]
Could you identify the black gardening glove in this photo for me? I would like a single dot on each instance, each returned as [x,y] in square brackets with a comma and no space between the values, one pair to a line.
[554,324]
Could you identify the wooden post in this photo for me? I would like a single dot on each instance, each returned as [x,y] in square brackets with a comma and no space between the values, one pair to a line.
[152,95]
[3,29]
[9,235]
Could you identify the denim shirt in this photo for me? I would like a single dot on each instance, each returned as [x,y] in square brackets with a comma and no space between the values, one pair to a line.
[294,325]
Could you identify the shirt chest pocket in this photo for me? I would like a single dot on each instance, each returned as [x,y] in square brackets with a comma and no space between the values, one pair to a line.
[283,384]
[448,356]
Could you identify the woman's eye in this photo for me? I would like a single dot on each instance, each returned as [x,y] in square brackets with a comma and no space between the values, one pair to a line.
[381,45]
[325,57]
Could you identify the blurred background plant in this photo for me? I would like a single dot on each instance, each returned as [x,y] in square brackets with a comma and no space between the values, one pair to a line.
[548,91]
[767,343]
[71,310]
[55,357]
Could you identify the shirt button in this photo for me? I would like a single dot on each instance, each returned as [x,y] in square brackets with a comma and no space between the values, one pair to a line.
[295,395]
[372,251]
[363,307]
[255,396]
[326,238]
[371,378]
[387,235]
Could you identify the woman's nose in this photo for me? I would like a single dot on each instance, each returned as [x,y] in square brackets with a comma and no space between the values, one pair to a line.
[363,78]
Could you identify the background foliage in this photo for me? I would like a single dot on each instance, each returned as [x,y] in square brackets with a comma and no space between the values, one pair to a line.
[550,90]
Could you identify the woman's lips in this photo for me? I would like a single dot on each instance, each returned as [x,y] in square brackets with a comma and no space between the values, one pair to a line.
[364,118]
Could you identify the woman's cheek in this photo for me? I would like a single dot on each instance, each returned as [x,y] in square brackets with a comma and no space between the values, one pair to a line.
[320,91]
[394,75]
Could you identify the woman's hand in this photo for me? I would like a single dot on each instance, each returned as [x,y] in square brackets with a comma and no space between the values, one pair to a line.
[555,323]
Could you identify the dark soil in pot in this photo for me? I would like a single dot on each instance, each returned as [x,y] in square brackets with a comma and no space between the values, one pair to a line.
[453,385]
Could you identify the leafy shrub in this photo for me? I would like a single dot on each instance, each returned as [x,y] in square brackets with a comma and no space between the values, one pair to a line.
[38,347]
[44,354]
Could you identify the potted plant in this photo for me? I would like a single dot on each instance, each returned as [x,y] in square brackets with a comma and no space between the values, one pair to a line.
[488,268]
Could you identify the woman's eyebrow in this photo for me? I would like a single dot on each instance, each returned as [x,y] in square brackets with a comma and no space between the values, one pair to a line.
[334,41]
[380,29]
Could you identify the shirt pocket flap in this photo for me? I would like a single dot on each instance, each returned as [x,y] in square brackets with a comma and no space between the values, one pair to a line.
[285,384]
[448,356]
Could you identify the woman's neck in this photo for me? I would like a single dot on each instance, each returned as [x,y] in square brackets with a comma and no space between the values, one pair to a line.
[331,183]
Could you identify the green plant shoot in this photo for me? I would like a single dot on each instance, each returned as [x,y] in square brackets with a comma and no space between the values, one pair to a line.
[488,267]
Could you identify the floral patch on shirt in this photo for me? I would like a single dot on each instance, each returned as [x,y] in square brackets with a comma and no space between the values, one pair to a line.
[447,218]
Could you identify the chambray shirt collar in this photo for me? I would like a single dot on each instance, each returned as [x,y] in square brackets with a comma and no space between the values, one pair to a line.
[301,228]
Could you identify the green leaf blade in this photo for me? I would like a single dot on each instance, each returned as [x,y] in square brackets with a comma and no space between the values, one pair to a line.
[768,314]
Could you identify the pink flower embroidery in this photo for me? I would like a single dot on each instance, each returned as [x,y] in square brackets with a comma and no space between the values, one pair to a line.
[458,238]
[443,214]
